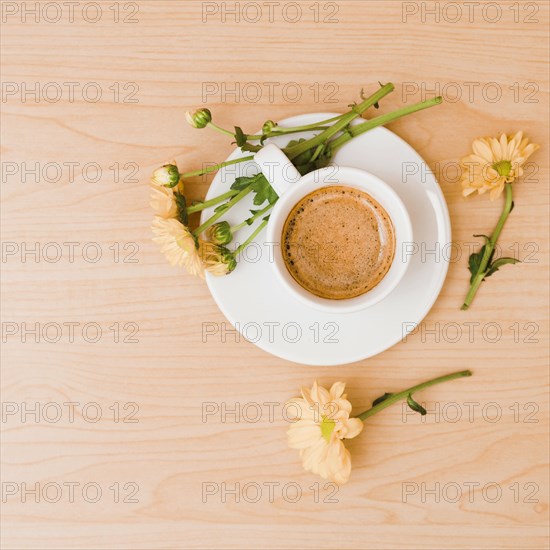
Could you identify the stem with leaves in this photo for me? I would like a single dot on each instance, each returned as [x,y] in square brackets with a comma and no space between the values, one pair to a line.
[354,131]
[252,219]
[279,130]
[390,398]
[484,266]
[252,236]
[212,202]
[341,124]
[210,221]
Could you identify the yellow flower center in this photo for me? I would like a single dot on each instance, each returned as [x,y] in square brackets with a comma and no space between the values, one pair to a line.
[503,167]
[327,427]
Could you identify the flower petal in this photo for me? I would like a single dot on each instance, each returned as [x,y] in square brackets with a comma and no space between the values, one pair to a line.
[337,390]
[354,427]
[298,408]
[482,149]
[320,394]
[303,434]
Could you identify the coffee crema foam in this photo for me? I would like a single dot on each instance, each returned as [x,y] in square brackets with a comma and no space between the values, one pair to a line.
[338,242]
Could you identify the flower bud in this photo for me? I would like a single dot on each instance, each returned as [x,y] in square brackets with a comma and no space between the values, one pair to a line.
[199,119]
[166,176]
[220,233]
[268,126]
[217,259]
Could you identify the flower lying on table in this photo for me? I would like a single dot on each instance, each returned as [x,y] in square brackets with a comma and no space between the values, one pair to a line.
[321,423]
[493,166]
[210,240]
[319,436]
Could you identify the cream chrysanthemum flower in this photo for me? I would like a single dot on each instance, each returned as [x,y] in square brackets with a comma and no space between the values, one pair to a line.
[163,202]
[495,162]
[321,423]
[177,244]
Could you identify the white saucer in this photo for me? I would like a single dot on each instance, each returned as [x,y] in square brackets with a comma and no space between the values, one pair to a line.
[254,301]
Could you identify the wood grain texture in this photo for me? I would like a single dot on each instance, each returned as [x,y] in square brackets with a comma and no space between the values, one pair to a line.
[411,478]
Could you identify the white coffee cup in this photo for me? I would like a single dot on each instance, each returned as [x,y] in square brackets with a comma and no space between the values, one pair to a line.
[292,187]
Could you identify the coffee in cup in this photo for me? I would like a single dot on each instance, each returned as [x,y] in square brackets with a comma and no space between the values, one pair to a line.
[338,242]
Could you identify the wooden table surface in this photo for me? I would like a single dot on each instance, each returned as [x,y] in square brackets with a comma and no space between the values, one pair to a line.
[122,427]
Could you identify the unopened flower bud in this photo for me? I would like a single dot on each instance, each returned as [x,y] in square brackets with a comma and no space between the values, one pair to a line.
[199,119]
[220,233]
[268,126]
[167,175]
[217,259]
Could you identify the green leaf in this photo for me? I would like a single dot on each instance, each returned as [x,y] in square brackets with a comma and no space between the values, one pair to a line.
[243,182]
[251,220]
[263,191]
[260,187]
[303,158]
[249,147]
[499,263]
[293,142]
[181,204]
[474,261]
[221,207]
[381,398]
[415,406]
[240,137]
[196,239]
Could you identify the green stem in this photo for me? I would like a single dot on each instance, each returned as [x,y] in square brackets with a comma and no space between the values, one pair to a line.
[277,132]
[251,238]
[220,129]
[212,202]
[210,221]
[317,152]
[306,127]
[209,169]
[403,394]
[295,130]
[281,130]
[252,219]
[293,152]
[381,120]
[489,247]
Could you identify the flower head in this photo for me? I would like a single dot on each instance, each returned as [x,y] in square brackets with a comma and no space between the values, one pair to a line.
[199,119]
[178,244]
[167,175]
[163,201]
[321,423]
[220,233]
[217,259]
[495,162]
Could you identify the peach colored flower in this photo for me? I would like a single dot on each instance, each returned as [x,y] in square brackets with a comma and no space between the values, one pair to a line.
[163,202]
[495,162]
[321,423]
[177,244]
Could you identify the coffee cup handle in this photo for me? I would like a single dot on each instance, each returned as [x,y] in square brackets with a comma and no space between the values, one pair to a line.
[277,168]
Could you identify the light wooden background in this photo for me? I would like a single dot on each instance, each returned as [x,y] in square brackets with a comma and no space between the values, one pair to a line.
[170,453]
